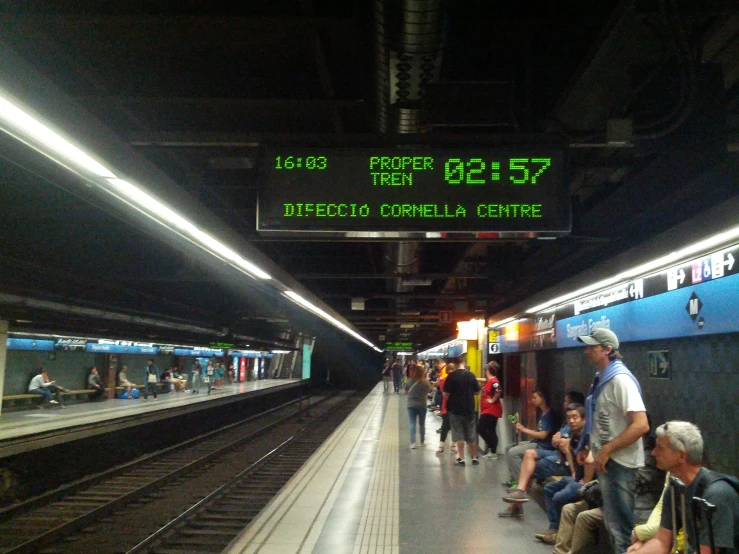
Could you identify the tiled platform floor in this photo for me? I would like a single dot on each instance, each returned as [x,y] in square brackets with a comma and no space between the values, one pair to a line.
[30,422]
[366,491]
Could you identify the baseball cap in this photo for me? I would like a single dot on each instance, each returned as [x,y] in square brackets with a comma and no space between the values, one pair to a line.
[603,337]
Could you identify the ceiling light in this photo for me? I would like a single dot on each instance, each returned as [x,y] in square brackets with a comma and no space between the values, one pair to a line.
[661,263]
[321,313]
[19,120]
[417,282]
[154,207]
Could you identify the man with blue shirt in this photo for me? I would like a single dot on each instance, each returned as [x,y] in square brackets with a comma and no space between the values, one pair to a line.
[616,421]
[541,437]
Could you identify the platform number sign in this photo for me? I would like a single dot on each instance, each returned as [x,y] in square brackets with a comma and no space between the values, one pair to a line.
[659,364]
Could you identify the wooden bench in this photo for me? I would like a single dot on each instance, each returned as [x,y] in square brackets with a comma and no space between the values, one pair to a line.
[14,400]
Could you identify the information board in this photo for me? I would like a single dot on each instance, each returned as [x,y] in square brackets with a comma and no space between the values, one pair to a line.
[465,189]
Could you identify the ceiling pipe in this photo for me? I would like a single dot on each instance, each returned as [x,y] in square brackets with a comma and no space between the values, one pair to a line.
[408,48]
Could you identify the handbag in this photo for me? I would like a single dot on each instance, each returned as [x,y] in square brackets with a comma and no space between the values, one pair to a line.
[591,493]
[151,378]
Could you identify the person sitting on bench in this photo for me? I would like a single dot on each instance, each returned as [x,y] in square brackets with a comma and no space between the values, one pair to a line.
[95,384]
[41,385]
[679,450]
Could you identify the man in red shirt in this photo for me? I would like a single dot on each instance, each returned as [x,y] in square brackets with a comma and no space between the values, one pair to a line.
[491,410]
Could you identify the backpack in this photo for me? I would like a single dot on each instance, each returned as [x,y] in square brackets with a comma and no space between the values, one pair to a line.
[710,478]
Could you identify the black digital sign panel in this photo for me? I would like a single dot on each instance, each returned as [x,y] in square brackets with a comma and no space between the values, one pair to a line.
[463,190]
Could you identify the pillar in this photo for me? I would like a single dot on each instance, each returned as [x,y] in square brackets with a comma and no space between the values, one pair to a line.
[3,352]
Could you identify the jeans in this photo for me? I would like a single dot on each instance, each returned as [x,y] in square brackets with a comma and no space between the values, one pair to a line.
[619,489]
[421,414]
[556,495]
[397,377]
[45,392]
[150,387]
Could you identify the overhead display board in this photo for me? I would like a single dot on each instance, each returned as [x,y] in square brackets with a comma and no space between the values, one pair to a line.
[462,190]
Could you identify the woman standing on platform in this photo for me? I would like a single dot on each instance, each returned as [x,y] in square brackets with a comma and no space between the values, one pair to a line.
[417,390]
[445,425]
[491,410]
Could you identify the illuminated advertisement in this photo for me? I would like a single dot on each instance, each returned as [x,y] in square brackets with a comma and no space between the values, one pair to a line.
[521,189]
[306,361]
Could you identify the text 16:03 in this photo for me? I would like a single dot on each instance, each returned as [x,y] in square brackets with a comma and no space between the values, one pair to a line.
[293,162]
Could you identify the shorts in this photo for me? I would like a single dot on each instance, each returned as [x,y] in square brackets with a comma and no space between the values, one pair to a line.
[463,427]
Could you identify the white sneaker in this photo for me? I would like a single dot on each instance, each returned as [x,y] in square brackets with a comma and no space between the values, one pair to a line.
[413,445]
[490,456]
[53,402]
[422,445]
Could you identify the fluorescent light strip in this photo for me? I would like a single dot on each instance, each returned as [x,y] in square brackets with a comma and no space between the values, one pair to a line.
[39,132]
[501,322]
[319,312]
[19,120]
[144,200]
[660,263]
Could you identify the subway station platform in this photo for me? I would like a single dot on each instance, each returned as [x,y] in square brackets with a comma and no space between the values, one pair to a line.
[366,491]
[32,429]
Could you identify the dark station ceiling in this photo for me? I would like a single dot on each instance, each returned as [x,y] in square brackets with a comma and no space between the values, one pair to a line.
[201,88]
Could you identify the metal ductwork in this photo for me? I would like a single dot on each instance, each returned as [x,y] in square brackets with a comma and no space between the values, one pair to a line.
[408,50]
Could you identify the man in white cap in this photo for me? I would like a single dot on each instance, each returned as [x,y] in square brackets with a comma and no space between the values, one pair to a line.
[616,421]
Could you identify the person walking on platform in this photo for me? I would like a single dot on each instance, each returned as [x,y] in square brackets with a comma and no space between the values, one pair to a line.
[491,409]
[210,371]
[445,426]
[417,389]
[397,370]
[42,386]
[616,421]
[195,377]
[386,377]
[95,384]
[460,388]
[151,378]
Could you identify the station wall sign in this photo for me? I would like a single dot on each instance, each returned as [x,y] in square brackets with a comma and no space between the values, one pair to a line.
[659,364]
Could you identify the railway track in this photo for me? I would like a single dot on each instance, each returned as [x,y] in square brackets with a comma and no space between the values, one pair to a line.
[211,524]
[51,523]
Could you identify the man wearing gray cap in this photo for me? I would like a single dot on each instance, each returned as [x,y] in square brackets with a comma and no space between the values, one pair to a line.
[616,421]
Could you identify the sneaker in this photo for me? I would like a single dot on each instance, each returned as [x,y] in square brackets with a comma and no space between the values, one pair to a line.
[439,430]
[547,537]
[517,496]
[422,445]
[53,402]
[490,456]
[513,511]
[441,449]
[413,445]
[459,461]
[475,461]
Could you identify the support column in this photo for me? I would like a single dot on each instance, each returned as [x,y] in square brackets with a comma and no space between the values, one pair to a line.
[3,352]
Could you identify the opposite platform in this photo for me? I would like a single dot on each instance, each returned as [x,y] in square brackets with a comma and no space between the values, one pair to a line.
[366,491]
[20,431]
